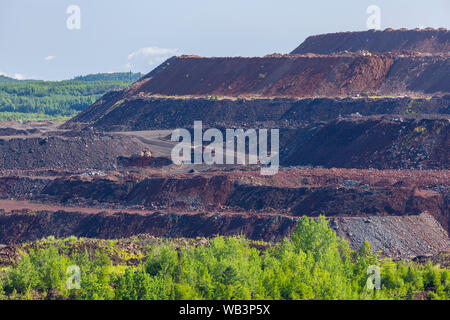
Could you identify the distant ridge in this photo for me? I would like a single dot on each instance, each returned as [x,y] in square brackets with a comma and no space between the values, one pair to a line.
[114,76]
[7,79]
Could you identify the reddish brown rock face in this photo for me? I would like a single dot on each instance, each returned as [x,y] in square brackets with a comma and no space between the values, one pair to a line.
[423,41]
[293,76]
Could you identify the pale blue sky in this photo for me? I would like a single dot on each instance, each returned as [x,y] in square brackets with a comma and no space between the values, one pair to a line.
[35,42]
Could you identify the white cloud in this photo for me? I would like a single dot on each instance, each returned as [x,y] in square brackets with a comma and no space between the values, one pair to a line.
[141,59]
[49,58]
[151,51]
[18,76]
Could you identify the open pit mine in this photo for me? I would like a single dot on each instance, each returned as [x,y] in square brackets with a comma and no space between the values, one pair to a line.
[364,139]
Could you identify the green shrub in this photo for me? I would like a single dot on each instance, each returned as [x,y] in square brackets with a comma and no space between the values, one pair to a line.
[313,264]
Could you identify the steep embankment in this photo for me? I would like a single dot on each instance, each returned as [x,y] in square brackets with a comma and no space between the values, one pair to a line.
[370,143]
[24,226]
[293,192]
[139,113]
[424,41]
